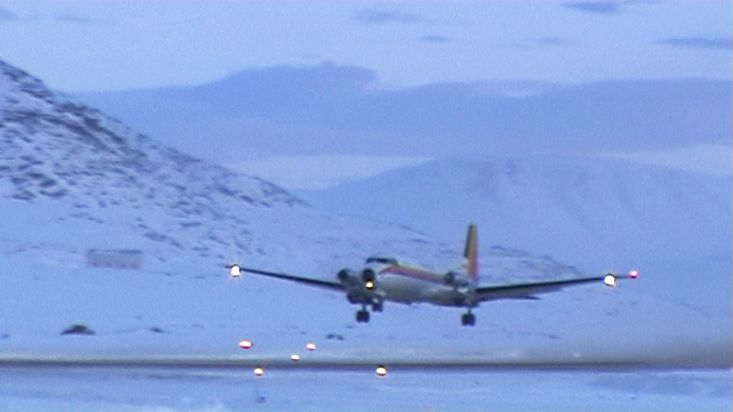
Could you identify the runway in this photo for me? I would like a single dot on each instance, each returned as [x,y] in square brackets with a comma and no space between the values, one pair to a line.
[326,363]
[223,385]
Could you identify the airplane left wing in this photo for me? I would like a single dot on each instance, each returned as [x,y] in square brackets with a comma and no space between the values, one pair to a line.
[528,290]
[304,280]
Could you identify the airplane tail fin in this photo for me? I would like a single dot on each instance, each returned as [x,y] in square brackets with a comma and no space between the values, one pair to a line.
[471,253]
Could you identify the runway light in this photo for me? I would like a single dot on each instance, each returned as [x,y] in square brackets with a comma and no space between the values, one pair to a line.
[259,371]
[381,370]
[610,280]
[311,346]
[234,271]
[295,357]
[246,344]
[369,285]
[634,274]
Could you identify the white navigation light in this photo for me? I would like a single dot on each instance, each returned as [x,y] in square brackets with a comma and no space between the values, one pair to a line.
[259,371]
[610,280]
[369,285]
[311,346]
[381,370]
[234,271]
[295,357]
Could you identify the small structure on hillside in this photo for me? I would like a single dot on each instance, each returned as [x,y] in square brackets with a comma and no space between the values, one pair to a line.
[115,258]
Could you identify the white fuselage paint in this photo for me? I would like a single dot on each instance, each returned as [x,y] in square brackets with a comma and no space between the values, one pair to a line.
[404,284]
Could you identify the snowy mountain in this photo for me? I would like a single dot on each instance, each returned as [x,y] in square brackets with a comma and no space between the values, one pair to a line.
[73,179]
[56,149]
[582,210]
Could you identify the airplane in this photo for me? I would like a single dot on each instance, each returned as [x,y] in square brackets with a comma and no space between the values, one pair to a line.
[384,278]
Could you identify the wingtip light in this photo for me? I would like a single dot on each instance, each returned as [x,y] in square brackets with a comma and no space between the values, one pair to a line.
[634,274]
[610,280]
[234,271]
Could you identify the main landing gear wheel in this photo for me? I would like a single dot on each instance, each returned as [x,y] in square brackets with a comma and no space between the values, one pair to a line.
[468,319]
[362,316]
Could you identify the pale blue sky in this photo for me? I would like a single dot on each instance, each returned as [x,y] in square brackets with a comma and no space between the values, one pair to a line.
[87,46]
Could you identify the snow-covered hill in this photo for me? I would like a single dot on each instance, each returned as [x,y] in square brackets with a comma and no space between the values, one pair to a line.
[583,210]
[95,170]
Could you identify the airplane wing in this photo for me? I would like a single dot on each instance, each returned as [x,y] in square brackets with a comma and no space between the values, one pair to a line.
[528,290]
[306,281]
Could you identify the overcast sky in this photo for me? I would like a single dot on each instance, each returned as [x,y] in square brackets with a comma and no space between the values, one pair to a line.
[90,46]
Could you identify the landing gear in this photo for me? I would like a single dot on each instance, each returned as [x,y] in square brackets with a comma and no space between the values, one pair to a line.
[378,306]
[468,319]
[362,316]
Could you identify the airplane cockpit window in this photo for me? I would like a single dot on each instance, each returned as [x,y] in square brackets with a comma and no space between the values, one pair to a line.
[382,260]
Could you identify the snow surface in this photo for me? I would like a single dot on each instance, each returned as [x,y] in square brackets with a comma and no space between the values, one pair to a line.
[236,390]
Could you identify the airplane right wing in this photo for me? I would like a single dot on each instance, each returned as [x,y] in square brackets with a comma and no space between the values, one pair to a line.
[528,290]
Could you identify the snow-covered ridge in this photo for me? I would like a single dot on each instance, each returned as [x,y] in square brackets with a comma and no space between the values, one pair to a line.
[100,171]
[53,146]
[582,210]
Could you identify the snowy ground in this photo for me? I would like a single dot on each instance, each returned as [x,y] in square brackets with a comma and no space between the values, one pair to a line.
[219,390]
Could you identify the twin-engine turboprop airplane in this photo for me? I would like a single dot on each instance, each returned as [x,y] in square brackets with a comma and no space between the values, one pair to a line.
[383,278]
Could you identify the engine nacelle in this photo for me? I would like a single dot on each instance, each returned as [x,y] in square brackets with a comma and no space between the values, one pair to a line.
[347,277]
[368,275]
[455,279]
[369,279]
[360,286]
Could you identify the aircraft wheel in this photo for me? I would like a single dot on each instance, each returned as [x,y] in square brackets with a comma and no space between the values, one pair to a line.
[378,306]
[468,319]
[362,316]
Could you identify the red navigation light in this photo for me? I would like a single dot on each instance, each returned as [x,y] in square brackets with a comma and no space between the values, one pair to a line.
[634,274]
[246,344]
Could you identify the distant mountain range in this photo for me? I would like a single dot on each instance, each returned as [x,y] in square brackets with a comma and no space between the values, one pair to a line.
[342,110]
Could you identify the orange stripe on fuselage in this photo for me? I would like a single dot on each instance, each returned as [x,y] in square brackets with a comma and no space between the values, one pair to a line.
[412,273]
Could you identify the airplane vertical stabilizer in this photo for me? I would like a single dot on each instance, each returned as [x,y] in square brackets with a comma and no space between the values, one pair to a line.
[471,253]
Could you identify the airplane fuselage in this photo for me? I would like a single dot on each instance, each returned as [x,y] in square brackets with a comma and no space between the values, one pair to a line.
[407,285]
